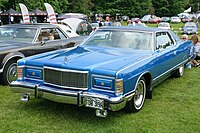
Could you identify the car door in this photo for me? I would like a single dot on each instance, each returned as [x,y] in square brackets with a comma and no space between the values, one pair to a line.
[166,53]
[50,39]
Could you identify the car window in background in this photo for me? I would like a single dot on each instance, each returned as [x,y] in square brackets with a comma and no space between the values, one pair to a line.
[163,40]
[59,35]
[17,34]
[190,24]
[122,39]
[47,34]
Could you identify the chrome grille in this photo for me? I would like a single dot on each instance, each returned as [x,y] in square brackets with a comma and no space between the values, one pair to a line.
[66,78]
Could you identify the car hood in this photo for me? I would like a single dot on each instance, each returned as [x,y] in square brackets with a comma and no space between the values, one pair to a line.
[87,58]
[10,45]
[190,28]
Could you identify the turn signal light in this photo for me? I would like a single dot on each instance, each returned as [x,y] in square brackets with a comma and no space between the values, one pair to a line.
[119,86]
[19,72]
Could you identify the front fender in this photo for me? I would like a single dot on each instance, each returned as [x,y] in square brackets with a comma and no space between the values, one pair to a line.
[14,55]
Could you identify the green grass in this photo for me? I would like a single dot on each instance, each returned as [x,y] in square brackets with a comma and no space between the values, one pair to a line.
[175,107]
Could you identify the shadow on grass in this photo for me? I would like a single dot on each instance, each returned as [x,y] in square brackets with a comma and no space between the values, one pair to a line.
[64,111]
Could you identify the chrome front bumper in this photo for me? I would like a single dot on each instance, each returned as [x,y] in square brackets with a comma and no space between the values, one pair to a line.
[67,96]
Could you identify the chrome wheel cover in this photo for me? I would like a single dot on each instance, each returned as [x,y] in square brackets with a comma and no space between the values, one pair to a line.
[181,70]
[140,94]
[12,73]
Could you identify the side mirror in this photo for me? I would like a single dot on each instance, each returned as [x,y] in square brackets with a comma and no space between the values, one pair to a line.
[43,42]
[68,45]
[71,44]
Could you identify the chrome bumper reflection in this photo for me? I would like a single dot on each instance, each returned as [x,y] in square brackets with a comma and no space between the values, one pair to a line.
[66,96]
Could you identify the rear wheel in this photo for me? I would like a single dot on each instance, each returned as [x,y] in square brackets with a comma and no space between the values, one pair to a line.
[10,72]
[179,71]
[137,102]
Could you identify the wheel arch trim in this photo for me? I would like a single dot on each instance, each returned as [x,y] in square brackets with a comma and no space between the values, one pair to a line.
[9,57]
[149,87]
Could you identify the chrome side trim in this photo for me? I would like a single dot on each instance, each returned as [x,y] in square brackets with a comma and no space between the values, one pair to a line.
[173,68]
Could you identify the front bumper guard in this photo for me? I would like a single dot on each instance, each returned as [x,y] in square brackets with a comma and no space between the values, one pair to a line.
[67,96]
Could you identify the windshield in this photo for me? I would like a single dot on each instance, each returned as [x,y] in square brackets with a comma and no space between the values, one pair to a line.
[163,25]
[17,34]
[121,39]
[193,25]
[95,24]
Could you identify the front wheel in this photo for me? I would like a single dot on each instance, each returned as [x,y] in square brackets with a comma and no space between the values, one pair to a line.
[137,102]
[9,72]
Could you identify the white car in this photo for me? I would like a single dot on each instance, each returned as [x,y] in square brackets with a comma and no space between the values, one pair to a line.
[67,30]
[79,26]
[175,20]
[164,25]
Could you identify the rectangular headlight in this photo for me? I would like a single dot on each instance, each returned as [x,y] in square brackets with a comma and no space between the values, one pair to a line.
[34,73]
[119,86]
[102,83]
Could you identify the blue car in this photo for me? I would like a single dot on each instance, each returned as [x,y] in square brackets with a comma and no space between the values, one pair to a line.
[190,28]
[114,68]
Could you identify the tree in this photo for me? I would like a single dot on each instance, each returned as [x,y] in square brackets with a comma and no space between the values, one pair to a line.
[80,6]
[135,8]
[195,4]
[3,4]
[169,7]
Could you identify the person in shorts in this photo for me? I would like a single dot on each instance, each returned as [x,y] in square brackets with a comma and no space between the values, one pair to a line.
[196,42]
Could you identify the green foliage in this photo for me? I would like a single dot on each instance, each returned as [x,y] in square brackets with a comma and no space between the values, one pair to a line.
[80,6]
[169,7]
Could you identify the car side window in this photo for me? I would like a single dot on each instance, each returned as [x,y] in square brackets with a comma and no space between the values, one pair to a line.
[59,35]
[47,34]
[163,40]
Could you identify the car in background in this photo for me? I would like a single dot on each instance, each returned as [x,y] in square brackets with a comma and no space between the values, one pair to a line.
[95,25]
[21,40]
[165,19]
[155,20]
[164,25]
[136,20]
[175,20]
[125,18]
[115,67]
[146,18]
[81,27]
[186,19]
[190,28]
[67,30]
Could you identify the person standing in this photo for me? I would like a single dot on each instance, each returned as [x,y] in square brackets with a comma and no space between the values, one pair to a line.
[196,42]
